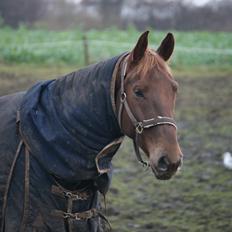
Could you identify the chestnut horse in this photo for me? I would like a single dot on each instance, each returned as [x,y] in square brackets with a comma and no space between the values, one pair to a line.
[58,138]
[150,90]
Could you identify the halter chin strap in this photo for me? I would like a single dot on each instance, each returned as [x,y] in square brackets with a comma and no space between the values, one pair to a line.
[139,125]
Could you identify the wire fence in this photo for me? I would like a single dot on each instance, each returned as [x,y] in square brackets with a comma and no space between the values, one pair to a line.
[85,51]
[114,44]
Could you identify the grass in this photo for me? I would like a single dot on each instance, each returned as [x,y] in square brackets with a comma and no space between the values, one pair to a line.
[193,49]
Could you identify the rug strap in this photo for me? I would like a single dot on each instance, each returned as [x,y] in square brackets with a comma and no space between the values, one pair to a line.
[26,204]
[74,195]
[8,184]
[85,215]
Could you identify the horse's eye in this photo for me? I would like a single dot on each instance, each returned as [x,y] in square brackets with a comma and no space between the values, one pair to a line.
[138,93]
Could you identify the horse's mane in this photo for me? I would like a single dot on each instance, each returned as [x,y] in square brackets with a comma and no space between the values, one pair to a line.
[152,60]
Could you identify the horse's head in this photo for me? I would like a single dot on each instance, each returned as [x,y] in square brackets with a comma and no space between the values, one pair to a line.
[145,103]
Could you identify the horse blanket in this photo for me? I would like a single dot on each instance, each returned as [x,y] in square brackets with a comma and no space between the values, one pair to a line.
[66,123]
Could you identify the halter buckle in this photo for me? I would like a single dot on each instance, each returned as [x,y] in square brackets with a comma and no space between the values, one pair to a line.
[145,164]
[139,128]
[123,97]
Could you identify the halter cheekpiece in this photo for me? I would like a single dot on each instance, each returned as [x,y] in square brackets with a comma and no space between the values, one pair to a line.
[139,125]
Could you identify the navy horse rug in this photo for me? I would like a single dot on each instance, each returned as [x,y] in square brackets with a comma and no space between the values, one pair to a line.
[58,138]
[63,123]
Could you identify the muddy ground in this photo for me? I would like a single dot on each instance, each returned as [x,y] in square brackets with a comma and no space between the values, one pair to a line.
[199,198]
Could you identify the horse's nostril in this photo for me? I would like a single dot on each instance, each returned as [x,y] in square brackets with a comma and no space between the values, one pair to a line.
[163,164]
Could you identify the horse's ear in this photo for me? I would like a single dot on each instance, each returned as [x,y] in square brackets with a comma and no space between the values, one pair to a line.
[140,47]
[166,48]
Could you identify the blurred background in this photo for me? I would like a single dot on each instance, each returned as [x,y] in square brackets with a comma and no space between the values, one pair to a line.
[43,39]
[157,14]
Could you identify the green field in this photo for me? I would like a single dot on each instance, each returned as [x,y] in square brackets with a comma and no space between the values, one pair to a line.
[199,198]
[193,49]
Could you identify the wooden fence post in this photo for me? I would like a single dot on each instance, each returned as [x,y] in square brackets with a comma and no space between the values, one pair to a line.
[86,50]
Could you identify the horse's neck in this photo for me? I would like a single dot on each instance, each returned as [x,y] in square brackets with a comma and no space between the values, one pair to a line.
[84,101]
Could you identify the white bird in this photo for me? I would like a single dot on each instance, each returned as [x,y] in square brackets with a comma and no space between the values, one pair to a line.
[227,160]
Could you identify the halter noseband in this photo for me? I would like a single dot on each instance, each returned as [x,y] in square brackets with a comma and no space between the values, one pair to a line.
[139,125]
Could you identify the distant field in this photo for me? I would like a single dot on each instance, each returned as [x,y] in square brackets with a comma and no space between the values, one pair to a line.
[193,49]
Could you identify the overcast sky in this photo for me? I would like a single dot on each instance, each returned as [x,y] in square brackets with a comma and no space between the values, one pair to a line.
[197,2]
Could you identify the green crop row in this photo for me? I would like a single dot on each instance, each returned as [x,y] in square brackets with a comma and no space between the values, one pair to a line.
[66,47]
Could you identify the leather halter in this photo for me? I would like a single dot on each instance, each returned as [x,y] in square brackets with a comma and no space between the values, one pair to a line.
[139,125]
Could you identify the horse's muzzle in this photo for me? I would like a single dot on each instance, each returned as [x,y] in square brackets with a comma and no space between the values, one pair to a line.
[164,169]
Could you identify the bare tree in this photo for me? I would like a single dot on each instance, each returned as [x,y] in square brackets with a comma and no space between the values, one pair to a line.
[21,11]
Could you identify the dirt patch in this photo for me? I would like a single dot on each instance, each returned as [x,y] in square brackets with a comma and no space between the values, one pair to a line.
[197,199]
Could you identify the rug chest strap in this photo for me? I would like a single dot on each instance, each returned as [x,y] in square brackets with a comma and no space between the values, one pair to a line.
[74,195]
[88,214]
